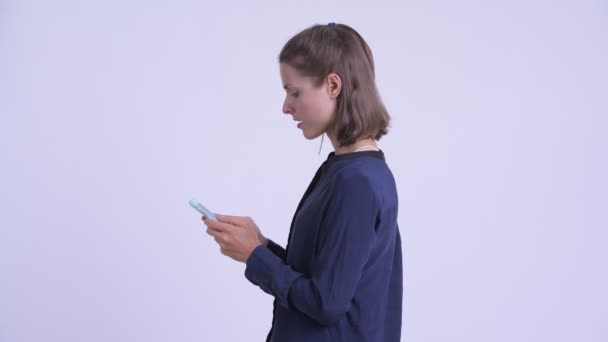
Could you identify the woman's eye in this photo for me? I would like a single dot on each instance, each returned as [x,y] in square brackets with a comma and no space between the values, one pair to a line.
[295,94]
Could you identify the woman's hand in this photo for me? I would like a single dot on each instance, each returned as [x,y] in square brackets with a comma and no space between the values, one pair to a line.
[237,236]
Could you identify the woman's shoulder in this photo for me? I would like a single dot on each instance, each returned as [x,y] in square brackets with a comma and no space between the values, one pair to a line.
[360,169]
[363,174]
[363,183]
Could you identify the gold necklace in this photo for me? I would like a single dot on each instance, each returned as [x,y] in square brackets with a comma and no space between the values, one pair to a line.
[366,148]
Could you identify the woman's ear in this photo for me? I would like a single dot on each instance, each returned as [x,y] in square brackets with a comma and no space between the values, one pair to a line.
[334,85]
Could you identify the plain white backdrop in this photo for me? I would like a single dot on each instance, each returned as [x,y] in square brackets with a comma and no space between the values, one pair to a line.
[113,114]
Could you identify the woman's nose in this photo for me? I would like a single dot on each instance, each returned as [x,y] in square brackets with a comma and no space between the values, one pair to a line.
[287,108]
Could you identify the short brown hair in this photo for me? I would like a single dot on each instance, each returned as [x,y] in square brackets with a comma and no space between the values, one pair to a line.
[337,48]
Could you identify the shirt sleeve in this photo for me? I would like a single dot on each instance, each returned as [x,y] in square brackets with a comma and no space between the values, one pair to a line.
[277,250]
[346,238]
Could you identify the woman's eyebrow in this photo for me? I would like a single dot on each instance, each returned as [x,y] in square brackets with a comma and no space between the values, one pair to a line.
[286,86]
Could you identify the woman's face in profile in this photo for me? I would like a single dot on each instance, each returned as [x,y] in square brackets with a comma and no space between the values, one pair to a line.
[313,107]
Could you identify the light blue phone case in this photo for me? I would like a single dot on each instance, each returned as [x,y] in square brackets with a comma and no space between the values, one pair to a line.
[201,209]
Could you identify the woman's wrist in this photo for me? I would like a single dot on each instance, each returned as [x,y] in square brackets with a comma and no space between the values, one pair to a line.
[263,240]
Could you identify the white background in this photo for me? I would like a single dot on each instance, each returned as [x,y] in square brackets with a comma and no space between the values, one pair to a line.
[113,114]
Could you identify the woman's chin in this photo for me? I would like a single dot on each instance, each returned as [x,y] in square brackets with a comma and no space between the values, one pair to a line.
[308,133]
[307,136]
[311,135]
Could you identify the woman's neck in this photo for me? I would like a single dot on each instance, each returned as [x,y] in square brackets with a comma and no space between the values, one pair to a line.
[361,145]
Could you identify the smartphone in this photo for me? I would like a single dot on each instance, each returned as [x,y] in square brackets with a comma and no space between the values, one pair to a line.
[201,209]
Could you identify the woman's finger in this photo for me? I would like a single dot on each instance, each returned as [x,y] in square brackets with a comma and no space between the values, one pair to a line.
[219,226]
[211,229]
[234,220]
[215,233]
[219,237]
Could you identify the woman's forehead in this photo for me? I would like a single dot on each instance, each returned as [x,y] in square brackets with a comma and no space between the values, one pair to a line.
[289,72]
[292,77]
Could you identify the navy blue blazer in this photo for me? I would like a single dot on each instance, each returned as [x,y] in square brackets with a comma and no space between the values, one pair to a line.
[341,276]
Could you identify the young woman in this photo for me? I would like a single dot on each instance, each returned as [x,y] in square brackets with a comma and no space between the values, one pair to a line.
[340,276]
